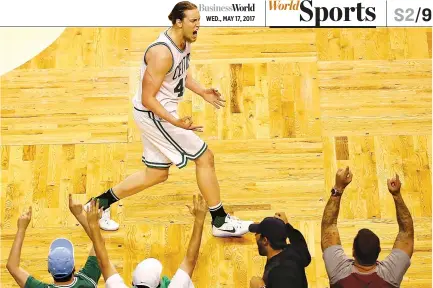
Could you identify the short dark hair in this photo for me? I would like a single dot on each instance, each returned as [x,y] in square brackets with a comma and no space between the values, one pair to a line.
[64,278]
[179,9]
[367,247]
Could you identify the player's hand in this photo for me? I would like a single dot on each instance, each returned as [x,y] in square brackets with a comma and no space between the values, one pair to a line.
[343,178]
[256,282]
[282,216]
[212,96]
[186,123]
[394,185]
[75,207]
[200,208]
[24,219]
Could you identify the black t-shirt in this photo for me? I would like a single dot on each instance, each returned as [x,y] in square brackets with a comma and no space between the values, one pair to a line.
[287,269]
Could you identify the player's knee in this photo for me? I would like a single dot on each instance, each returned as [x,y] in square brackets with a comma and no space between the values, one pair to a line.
[158,175]
[207,159]
[162,177]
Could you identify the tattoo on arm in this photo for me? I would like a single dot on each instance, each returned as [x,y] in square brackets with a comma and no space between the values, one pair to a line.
[405,237]
[330,235]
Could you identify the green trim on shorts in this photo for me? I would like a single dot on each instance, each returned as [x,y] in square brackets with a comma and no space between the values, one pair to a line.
[155,164]
[167,136]
[200,152]
[184,160]
[185,156]
[190,156]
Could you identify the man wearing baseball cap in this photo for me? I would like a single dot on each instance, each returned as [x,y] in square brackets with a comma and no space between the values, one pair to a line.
[61,263]
[285,265]
[148,274]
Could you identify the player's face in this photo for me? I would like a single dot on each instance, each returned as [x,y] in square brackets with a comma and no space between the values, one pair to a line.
[190,25]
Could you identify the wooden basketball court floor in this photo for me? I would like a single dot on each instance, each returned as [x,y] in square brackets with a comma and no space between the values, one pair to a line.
[300,104]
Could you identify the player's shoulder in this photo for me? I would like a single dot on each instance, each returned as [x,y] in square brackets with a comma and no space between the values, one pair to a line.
[159,50]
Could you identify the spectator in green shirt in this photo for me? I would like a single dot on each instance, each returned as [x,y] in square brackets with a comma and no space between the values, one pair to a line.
[61,263]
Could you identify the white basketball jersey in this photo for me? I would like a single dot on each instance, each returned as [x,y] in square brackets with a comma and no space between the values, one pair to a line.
[173,86]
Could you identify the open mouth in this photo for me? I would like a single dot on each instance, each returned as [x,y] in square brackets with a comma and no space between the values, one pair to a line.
[194,33]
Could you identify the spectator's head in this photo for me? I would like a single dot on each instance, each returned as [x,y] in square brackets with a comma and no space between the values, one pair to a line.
[186,16]
[61,264]
[147,274]
[270,235]
[366,247]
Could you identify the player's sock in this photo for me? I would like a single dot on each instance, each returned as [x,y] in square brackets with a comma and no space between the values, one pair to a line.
[217,211]
[107,198]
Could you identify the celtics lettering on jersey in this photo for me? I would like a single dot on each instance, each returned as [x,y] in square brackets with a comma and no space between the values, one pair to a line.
[179,72]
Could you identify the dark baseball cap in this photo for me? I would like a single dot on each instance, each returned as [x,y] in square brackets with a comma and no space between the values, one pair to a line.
[273,229]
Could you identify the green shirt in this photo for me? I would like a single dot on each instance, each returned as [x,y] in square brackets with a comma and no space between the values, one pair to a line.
[87,277]
[164,282]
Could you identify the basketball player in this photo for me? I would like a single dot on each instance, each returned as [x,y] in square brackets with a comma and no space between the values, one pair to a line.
[168,139]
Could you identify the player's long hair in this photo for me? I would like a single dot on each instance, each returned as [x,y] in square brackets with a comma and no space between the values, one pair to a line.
[179,9]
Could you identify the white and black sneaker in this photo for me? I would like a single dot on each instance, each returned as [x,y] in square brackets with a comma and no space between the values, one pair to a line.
[232,227]
[105,223]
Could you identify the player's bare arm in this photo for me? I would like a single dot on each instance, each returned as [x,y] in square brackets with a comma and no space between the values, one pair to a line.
[104,263]
[330,234]
[199,212]
[211,95]
[193,85]
[159,62]
[13,265]
[405,236]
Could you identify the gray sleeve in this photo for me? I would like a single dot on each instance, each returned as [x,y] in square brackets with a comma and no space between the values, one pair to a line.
[338,265]
[393,268]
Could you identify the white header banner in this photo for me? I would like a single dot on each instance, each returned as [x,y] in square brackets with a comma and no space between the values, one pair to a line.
[219,13]
[120,13]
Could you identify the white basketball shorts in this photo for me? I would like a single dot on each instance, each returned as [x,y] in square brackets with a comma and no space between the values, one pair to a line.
[164,143]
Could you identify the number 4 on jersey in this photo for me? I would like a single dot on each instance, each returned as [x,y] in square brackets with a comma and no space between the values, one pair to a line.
[179,89]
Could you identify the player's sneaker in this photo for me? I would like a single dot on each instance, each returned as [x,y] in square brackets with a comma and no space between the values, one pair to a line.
[232,227]
[105,223]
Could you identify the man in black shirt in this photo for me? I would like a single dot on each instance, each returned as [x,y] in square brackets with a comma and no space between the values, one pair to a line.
[286,263]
